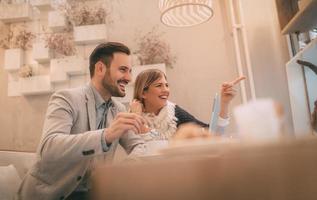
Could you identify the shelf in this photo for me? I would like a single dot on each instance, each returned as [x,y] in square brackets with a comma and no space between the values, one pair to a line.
[286,10]
[35,85]
[41,4]
[90,34]
[310,47]
[56,21]
[17,12]
[41,53]
[13,59]
[301,84]
[62,68]
[304,20]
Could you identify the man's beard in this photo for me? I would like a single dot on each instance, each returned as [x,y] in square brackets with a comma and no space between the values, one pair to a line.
[111,87]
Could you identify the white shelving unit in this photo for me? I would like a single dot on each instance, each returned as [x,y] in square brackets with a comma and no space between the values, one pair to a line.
[297,90]
[13,59]
[90,34]
[304,20]
[17,12]
[41,53]
[49,73]
[61,69]
[56,21]
[35,85]
[302,81]
[41,4]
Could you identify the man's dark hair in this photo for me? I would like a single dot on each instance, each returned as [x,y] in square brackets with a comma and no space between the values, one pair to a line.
[104,53]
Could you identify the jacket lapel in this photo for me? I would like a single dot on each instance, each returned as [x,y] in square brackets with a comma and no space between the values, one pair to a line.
[91,109]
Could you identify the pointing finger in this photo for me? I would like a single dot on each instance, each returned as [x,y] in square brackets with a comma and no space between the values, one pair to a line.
[237,80]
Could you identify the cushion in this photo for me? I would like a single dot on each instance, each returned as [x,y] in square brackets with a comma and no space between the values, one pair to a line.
[9,182]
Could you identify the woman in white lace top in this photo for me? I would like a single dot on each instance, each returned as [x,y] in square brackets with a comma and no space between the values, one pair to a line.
[151,94]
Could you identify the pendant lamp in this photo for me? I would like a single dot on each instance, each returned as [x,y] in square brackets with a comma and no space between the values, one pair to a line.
[185,13]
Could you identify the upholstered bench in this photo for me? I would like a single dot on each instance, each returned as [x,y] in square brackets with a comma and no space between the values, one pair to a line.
[13,167]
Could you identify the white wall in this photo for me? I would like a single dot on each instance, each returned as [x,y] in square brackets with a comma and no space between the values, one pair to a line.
[269,54]
[204,53]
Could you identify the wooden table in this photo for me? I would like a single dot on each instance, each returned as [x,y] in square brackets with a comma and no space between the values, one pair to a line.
[281,170]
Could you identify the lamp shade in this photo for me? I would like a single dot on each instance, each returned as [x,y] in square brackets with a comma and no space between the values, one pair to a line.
[184,13]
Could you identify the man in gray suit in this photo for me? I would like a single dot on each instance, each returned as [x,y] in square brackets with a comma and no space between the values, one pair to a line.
[83,126]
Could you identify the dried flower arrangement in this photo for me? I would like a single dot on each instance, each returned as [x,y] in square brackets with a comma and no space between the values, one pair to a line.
[4,39]
[82,14]
[17,37]
[25,71]
[61,43]
[152,49]
[6,1]
[13,1]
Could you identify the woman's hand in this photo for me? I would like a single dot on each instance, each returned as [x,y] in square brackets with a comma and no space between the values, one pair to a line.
[136,107]
[227,94]
[227,90]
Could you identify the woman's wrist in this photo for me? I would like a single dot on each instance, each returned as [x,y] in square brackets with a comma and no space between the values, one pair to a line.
[224,110]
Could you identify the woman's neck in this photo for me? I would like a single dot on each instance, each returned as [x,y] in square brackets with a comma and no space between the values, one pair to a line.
[151,109]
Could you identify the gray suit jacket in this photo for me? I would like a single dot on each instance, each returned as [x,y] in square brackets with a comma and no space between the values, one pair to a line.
[70,144]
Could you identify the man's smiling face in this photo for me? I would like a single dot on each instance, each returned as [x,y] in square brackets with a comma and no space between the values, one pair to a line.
[118,75]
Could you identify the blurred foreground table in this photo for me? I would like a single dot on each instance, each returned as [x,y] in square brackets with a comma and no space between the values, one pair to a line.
[281,170]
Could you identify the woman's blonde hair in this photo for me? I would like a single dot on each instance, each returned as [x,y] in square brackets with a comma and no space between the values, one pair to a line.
[144,80]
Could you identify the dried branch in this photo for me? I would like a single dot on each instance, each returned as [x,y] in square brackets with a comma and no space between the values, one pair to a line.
[61,43]
[152,49]
[81,14]
[25,71]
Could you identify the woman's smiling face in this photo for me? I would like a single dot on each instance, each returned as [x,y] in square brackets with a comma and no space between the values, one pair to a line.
[156,95]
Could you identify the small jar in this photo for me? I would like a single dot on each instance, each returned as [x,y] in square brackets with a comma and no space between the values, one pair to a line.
[313,34]
[303,40]
[300,4]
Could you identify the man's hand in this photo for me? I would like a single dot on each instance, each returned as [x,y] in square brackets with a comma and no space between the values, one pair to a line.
[122,123]
[191,131]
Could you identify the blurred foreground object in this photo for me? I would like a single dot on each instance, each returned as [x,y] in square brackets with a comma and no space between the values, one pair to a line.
[190,131]
[260,120]
[314,117]
[281,170]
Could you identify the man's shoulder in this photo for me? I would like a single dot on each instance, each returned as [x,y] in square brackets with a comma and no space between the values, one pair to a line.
[72,93]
